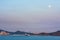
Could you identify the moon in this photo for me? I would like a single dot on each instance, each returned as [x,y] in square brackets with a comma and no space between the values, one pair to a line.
[49,6]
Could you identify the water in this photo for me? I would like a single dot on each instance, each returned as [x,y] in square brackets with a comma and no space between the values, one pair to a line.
[29,37]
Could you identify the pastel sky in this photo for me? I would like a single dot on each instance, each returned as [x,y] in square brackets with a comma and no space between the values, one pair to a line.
[30,15]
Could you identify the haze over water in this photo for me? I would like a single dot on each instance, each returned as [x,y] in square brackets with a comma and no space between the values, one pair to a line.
[30,15]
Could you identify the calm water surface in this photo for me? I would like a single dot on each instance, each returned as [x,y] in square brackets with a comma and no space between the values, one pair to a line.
[29,37]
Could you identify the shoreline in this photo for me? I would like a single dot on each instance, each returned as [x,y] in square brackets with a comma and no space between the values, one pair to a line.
[25,35]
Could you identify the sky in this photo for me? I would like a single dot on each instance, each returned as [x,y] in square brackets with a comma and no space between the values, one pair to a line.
[30,15]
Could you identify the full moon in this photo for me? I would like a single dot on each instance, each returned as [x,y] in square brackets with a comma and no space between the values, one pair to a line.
[49,6]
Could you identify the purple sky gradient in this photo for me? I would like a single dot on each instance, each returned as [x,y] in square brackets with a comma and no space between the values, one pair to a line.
[30,16]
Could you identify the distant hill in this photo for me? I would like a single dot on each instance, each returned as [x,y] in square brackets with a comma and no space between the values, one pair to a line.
[57,33]
[17,32]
